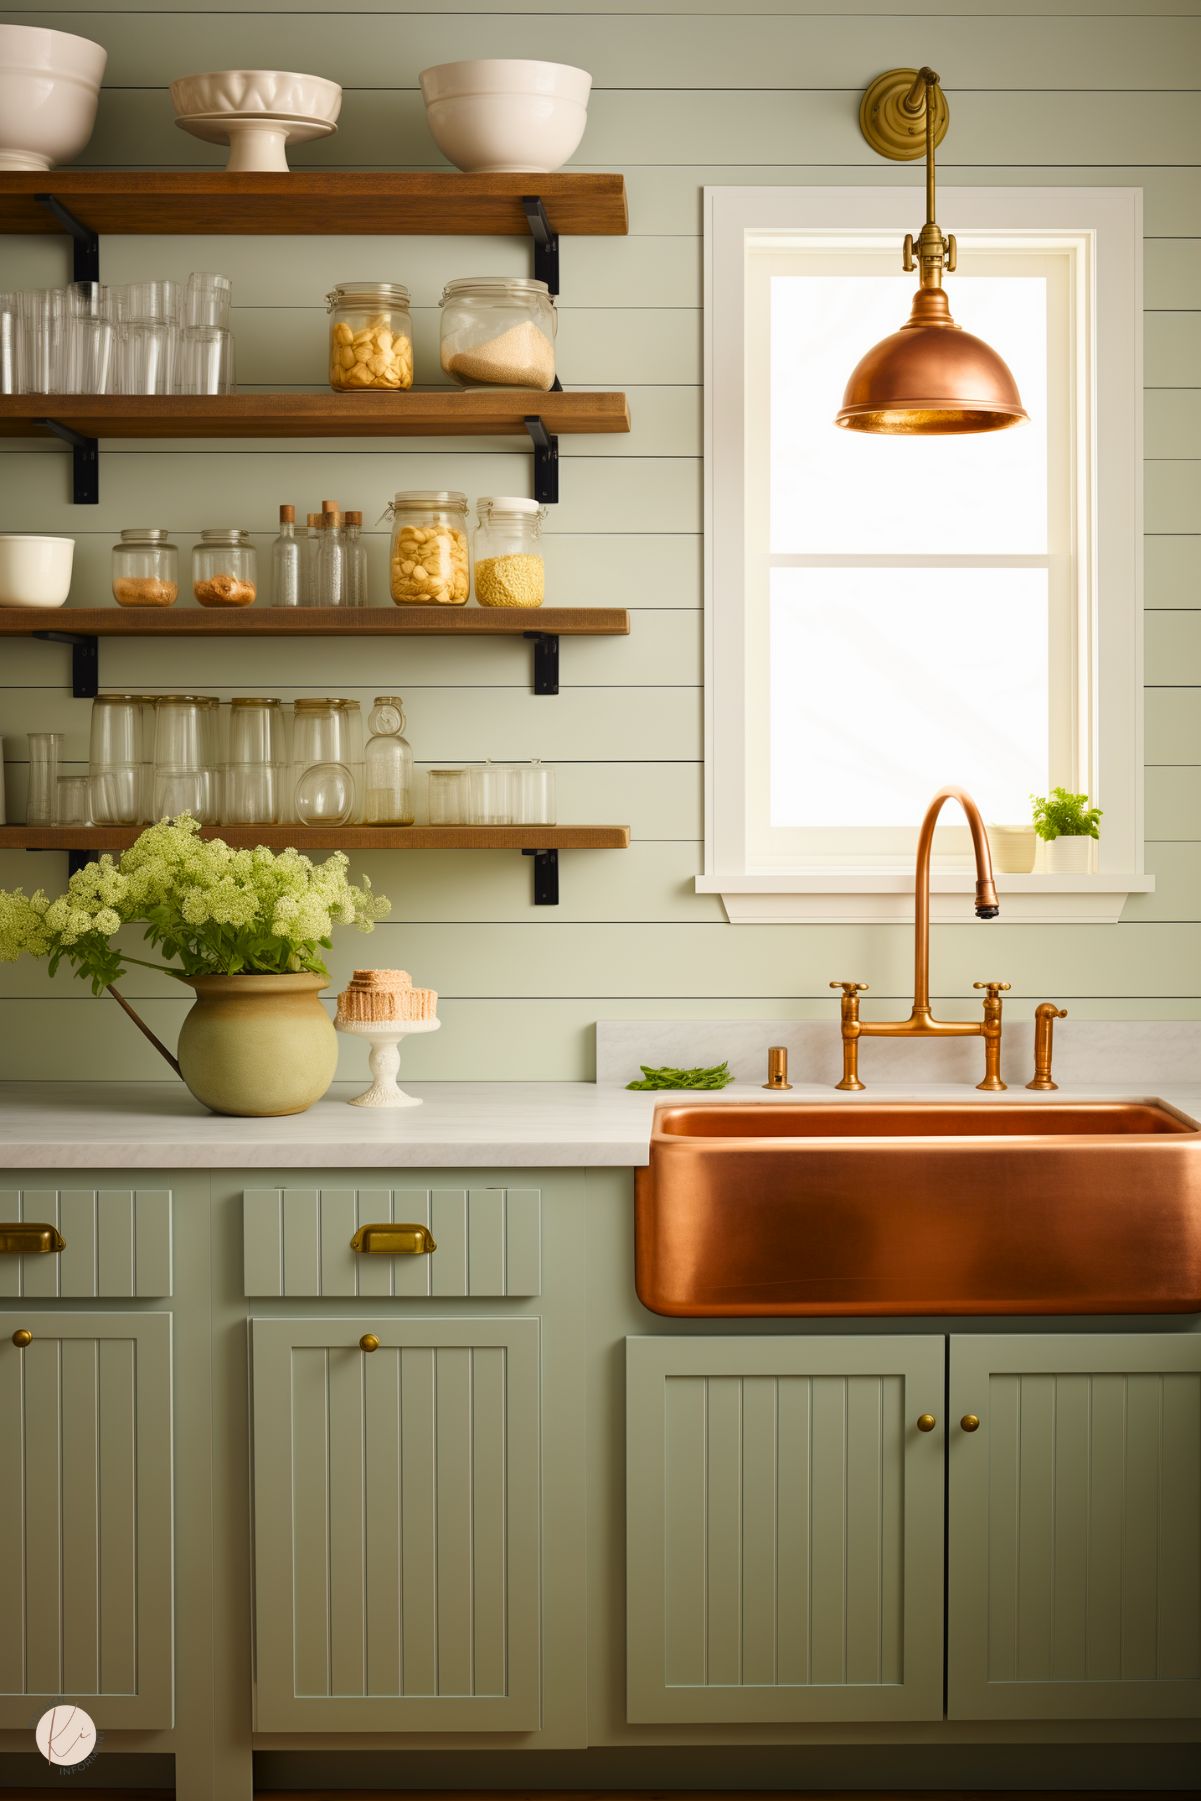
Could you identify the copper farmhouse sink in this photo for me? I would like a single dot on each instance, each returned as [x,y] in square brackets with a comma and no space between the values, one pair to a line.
[913,1208]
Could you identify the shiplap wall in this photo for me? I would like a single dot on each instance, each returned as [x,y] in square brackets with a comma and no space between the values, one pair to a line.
[687,92]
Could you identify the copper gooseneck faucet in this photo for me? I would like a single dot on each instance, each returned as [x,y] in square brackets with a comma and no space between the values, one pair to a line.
[921,1022]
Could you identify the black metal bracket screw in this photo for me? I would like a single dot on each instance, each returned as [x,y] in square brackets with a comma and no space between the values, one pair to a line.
[546,661]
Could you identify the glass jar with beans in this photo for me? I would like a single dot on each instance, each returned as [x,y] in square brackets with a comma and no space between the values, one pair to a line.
[509,571]
[370,337]
[430,565]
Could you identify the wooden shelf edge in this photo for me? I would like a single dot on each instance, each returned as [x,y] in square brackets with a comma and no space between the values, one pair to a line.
[265,621]
[348,837]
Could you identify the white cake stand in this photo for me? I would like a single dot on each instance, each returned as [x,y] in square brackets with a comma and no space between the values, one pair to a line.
[384,1037]
[258,142]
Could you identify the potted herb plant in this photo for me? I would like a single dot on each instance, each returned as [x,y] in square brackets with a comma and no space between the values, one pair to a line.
[244,929]
[1067,825]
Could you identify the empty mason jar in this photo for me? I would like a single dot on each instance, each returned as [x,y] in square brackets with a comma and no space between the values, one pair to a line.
[448,796]
[492,789]
[534,794]
[145,568]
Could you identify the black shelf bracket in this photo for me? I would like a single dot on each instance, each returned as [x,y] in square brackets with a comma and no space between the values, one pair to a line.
[546,461]
[85,661]
[85,243]
[85,460]
[546,661]
[546,877]
[546,241]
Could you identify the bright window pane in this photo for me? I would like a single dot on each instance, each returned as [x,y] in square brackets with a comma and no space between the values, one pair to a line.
[838,491]
[886,685]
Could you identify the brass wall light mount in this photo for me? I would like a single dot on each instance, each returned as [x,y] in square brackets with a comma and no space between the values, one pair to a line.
[931,378]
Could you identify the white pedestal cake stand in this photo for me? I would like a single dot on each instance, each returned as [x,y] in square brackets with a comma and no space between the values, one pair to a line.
[384,1037]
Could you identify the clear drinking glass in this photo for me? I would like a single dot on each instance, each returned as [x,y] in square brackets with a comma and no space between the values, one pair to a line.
[148,349]
[117,758]
[45,749]
[161,300]
[10,340]
[74,801]
[327,732]
[187,757]
[206,299]
[256,768]
[89,363]
[492,789]
[534,794]
[448,796]
[206,360]
[43,316]
[325,795]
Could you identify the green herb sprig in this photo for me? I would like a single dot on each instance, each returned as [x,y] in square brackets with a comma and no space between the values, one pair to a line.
[717,1077]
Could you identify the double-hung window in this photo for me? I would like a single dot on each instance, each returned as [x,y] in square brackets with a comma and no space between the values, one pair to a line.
[885,615]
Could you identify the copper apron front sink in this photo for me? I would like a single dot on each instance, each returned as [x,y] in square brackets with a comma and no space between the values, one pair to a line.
[907,1207]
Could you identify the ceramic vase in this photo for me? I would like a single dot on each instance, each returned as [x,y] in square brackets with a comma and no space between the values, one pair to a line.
[1068,856]
[258,1046]
[1013,848]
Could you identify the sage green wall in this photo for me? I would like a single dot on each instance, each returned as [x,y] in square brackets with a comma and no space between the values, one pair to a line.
[687,92]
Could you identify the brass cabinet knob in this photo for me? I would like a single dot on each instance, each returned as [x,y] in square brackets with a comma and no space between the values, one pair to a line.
[21,1338]
[369,1342]
[926,1422]
[970,1422]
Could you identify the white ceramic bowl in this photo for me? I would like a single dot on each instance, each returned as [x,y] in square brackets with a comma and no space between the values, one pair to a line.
[34,571]
[498,113]
[49,87]
[280,93]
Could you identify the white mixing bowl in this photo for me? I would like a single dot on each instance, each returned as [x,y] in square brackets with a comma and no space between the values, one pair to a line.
[34,571]
[49,87]
[497,114]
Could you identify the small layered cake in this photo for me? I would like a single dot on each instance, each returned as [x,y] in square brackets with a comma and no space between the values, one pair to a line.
[379,995]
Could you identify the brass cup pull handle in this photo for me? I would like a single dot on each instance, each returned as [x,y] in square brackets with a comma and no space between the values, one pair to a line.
[926,1422]
[394,1241]
[970,1422]
[21,1338]
[27,1237]
[369,1342]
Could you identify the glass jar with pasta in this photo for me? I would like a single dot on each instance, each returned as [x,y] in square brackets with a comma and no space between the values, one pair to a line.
[370,337]
[430,566]
[509,570]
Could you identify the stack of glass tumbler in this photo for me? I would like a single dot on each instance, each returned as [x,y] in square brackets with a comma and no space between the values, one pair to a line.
[149,337]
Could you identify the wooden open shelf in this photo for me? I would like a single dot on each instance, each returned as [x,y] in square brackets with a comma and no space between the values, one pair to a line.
[263,621]
[97,838]
[496,412]
[305,203]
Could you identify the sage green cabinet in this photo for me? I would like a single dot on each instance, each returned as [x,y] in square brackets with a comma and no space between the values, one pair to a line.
[1075,1527]
[85,1516]
[784,1529]
[396,1524]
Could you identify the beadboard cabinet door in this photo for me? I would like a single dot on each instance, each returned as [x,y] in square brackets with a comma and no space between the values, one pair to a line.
[1074,1568]
[784,1529]
[85,1517]
[397,1525]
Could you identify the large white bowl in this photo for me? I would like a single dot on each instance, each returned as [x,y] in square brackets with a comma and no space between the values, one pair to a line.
[498,114]
[34,571]
[49,87]
[279,93]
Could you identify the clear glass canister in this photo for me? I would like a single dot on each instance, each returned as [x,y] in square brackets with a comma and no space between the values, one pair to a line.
[509,571]
[430,559]
[224,568]
[497,331]
[389,765]
[370,336]
[145,568]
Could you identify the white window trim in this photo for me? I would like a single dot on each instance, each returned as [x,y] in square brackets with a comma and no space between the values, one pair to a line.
[1110,221]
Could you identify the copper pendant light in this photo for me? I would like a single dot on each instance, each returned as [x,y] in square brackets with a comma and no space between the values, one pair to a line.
[931,378]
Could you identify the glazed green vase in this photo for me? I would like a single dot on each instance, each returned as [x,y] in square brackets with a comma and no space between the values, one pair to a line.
[258,1046]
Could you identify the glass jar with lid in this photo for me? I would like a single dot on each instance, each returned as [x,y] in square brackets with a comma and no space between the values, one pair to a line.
[370,336]
[224,568]
[509,571]
[388,798]
[145,568]
[430,562]
[498,331]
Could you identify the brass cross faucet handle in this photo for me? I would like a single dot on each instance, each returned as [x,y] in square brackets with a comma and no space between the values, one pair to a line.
[1045,1015]
[992,1082]
[850,1033]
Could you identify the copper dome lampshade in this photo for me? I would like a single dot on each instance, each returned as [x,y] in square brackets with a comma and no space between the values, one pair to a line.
[931,378]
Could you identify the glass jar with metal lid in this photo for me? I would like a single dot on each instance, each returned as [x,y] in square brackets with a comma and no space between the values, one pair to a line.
[509,571]
[145,568]
[430,563]
[498,331]
[224,568]
[370,336]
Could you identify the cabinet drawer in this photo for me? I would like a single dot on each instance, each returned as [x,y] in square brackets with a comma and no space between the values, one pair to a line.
[116,1244]
[297,1241]
[85,1516]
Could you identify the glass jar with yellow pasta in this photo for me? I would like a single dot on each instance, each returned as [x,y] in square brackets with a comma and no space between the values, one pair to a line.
[370,337]
[509,571]
[430,566]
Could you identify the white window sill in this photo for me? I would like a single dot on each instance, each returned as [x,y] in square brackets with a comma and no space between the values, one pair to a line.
[882,897]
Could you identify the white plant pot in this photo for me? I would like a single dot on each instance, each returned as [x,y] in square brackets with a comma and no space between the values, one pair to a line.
[1068,856]
[1013,848]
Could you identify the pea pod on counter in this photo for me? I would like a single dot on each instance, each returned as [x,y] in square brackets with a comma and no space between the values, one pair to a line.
[718,1076]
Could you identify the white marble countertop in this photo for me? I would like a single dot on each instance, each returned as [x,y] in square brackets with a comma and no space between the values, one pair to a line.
[101,1125]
